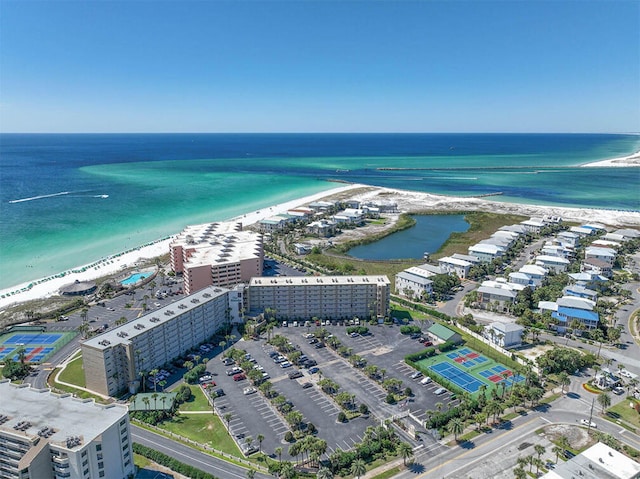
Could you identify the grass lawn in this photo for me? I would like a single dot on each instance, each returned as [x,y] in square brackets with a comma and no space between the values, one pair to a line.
[140,461]
[405,314]
[204,429]
[198,401]
[387,474]
[623,411]
[74,373]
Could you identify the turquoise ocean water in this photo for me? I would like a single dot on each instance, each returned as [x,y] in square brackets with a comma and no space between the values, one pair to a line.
[67,200]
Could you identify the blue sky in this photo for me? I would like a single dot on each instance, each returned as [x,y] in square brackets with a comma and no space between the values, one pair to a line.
[320,66]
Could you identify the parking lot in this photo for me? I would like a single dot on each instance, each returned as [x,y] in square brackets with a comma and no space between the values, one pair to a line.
[386,348]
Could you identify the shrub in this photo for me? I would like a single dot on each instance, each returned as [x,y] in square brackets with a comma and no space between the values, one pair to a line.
[342,417]
[171,463]
[311,428]
[410,329]
[364,409]
[448,346]
[408,392]
[288,436]
[390,399]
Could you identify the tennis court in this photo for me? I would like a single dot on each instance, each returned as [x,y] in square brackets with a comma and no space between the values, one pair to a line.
[37,346]
[470,370]
[457,376]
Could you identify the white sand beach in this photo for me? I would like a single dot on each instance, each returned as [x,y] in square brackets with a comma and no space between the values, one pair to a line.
[407,201]
[622,162]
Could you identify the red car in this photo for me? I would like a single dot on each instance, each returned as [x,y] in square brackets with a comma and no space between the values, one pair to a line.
[428,343]
[239,377]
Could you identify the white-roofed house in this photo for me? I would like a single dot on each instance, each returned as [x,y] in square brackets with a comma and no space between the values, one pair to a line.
[536,272]
[581,292]
[413,282]
[505,335]
[582,231]
[466,257]
[533,225]
[324,228]
[559,265]
[627,233]
[589,280]
[575,302]
[459,267]
[568,238]
[520,229]
[489,295]
[523,279]
[430,269]
[607,255]
[485,252]
[547,306]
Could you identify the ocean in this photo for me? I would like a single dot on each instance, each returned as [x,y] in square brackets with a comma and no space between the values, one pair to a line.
[67,200]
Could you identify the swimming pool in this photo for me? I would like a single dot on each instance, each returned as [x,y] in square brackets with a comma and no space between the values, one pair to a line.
[134,278]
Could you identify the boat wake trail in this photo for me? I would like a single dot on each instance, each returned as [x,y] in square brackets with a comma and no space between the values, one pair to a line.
[62,193]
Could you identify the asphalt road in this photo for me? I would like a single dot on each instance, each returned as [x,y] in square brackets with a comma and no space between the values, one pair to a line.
[193,457]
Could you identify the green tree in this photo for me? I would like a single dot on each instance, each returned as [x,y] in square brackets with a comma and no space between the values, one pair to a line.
[564,380]
[324,473]
[406,451]
[227,418]
[358,468]
[456,427]
[604,400]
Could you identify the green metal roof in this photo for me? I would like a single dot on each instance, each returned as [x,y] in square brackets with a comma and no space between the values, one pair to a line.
[441,331]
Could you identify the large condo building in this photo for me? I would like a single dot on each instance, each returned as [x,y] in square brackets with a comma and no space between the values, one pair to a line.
[113,360]
[325,297]
[49,436]
[218,254]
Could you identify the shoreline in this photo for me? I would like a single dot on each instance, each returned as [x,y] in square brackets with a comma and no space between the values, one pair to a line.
[408,201]
[631,161]
[41,288]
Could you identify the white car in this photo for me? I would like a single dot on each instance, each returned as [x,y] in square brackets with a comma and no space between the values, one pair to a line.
[585,422]
[247,391]
[416,375]
[439,391]
[425,380]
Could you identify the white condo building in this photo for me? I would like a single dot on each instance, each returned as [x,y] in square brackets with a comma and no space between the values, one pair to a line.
[324,297]
[113,360]
[50,436]
[216,254]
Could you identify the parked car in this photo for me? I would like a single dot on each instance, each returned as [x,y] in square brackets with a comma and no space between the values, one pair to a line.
[249,390]
[218,392]
[428,343]
[239,377]
[234,370]
[227,361]
[306,385]
[425,380]
[319,345]
[618,390]
[205,378]
[285,364]
[585,422]
[313,370]
[416,375]
[439,391]
[295,374]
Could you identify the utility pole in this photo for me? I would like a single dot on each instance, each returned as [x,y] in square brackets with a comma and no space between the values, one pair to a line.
[591,415]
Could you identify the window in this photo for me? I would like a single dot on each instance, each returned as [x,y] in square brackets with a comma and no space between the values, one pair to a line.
[101,474]
[101,465]
[85,472]
[85,463]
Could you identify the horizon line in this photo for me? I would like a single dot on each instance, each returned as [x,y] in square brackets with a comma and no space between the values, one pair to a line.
[318,133]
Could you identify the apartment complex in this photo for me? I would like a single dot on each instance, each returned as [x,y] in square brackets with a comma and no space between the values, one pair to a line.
[113,360]
[324,297]
[216,254]
[49,436]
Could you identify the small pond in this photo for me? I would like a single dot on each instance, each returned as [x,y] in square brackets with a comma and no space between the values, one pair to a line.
[426,236]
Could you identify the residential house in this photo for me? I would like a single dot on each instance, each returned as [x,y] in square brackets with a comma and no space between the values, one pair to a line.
[534,225]
[414,283]
[466,257]
[486,252]
[597,267]
[566,316]
[323,228]
[581,292]
[505,335]
[535,272]
[597,462]
[555,263]
[451,265]
[568,238]
[490,295]
[607,255]
[581,231]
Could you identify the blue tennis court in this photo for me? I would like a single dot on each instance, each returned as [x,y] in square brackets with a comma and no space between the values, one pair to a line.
[44,338]
[457,376]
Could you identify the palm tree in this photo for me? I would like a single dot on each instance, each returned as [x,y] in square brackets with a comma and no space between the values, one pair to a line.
[146,402]
[287,471]
[324,473]
[564,380]
[557,450]
[260,438]
[540,450]
[519,473]
[358,468]
[456,427]
[604,400]
[278,451]
[227,419]
[251,473]
[406,451]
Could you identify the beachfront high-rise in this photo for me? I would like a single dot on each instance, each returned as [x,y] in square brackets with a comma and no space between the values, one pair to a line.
[114,360]
[50,436]
[323,297]
[218,254]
